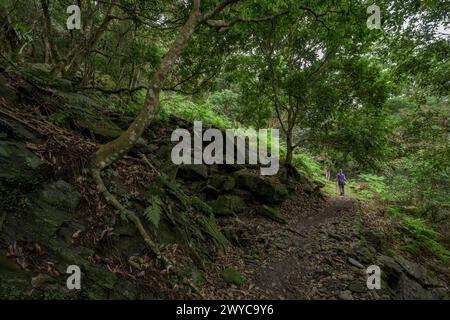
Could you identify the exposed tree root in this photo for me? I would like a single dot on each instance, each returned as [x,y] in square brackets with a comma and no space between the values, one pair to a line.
[169,265]
[2,220]
[130,215]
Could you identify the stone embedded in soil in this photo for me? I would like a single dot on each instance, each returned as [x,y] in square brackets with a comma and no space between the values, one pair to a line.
[355,263]
[346,295]
[269,190]
[358,287]
[227,205]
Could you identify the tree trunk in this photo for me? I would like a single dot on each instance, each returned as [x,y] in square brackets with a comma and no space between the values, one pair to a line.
[116,149]
[51,53]
[9,32]
[81,52]
[289,149]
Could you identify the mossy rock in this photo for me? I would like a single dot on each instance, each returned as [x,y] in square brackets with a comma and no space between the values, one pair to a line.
[102,127]
[61,195]
[16,130]
[203,207]
[229,184]
[271,213]
[227,205]
[225,183]
[19,166]
[267,189]
[180,224]
[193,172]
[232,276]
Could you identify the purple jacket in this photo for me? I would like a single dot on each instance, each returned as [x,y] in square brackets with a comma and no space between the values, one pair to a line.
[341,177]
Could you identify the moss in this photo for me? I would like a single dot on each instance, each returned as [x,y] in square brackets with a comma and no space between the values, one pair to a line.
[229,184]
[61,195]
[272,213]
[228,205]
[267,189]
[232,276]
[203,207]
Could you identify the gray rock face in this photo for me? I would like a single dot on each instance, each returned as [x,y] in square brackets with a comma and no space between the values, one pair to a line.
[61,195]
[404,279]
[41,212]
[19,166]
[355,263]
[418,272]
[346,295]
[409,289]
[269,190]
[375,239]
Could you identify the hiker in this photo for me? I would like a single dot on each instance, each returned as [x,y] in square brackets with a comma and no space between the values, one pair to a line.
[341,181]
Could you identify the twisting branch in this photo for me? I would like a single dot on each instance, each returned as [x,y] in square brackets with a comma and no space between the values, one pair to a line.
[116,91]
[222,26]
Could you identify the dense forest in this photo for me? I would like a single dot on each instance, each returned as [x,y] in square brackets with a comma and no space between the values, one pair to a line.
[93,92]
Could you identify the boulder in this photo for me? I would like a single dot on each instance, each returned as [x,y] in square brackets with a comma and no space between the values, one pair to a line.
[19,166]
[228,205]
[225,183]
[193,172]
[418,272]
[61,195]
[267,189]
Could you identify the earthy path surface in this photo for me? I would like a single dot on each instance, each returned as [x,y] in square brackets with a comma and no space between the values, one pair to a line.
[312,260]
[311,257]
[322,252]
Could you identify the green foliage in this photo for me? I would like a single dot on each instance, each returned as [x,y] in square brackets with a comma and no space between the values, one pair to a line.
[233,276]
[185,109]
[307,166]
[423,237]
[153,212]
[421,174]
[369,187]
[59,118]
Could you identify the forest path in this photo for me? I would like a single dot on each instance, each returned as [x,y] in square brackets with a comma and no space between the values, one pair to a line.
[318,254]
[309,258]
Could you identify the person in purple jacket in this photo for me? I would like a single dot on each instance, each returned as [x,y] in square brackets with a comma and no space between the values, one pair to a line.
[341,181]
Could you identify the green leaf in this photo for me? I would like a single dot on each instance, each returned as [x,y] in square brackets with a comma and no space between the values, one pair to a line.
[153,212]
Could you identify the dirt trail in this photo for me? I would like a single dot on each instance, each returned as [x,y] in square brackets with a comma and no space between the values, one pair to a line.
[322,252]
[309,251]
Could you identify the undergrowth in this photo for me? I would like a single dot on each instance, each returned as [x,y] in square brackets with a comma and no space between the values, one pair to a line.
[420,236]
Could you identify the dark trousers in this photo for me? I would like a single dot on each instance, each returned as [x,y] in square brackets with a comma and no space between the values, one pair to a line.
[341,187]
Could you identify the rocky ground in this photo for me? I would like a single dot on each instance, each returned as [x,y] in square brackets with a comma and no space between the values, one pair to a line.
[322,253]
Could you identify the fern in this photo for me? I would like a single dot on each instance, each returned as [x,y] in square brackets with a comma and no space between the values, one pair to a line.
[153,212]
